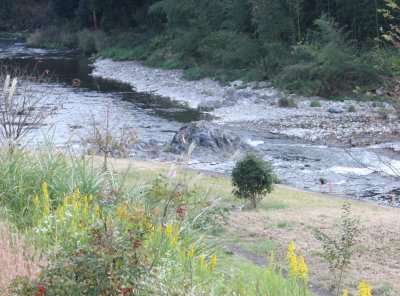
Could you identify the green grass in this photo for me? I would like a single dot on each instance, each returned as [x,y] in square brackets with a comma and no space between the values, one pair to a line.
[315,104]
[285,224]
[261,247]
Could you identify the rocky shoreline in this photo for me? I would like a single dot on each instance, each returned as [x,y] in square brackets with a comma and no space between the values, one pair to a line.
[256,107]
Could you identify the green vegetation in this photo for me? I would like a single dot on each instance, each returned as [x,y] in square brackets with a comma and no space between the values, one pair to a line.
[325,48]
[338,250]
[109,233]
[315,104]
[252,178]
[351,108]
[287,102]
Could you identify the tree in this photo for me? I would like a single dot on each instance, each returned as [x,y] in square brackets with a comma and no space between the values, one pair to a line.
[252,177]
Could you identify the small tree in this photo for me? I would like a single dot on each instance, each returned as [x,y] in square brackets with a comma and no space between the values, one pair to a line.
[252,177]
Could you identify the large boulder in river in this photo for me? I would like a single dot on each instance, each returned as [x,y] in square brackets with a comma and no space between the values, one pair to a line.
[207,135]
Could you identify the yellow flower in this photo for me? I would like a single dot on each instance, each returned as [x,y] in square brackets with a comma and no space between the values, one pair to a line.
[202,258]
[90,197]
[302,269]
[175,235]
[122,211]
[291,249]
[36,201]
[45,191]
[46,201]
[60,212]
[292,258]
[364,289]
[213,262]
[345,292]
[192,251]
[98,210]
[151,228]
[168,229]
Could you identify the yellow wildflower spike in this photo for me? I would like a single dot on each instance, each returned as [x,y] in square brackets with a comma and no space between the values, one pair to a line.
[345,292]
[45,191]
[66,201]
[36,201]
[60,212]
[213,262]
[292,260]
[90,197]
[168,229]
[291,249]
[192,251]
[302,269]
[98,210]
[364,289]
[202,258]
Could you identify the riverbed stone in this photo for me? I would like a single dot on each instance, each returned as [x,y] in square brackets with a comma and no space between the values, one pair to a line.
[208,106]
[206,135]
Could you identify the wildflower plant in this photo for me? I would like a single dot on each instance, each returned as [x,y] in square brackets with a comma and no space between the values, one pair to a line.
[298,269]
[364,289]
[337,250]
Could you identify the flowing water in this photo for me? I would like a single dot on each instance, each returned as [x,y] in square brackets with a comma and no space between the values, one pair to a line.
[156,119]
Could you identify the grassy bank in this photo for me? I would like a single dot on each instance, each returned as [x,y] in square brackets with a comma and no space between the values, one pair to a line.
[291,214]
[135,229]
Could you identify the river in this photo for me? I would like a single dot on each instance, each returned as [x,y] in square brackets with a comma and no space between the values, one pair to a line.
[297,163]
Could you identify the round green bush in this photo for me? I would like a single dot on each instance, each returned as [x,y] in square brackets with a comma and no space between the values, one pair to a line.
[252,178]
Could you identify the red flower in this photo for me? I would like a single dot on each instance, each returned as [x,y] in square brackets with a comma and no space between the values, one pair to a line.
[137,244]
[181,212]
[125,291]
[41,290]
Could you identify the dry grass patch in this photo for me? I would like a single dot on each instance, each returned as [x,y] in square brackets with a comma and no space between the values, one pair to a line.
[16,258]
[376,259]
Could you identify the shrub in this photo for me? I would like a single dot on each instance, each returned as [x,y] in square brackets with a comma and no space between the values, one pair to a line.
[315,104]
[252,177]
[351,108]
[54,37]
[338,249]
[286,102]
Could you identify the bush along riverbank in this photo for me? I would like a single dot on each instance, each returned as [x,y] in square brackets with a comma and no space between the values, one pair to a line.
[312,50]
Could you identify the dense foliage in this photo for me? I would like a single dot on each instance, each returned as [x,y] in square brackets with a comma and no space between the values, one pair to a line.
[317,47]
[252,177]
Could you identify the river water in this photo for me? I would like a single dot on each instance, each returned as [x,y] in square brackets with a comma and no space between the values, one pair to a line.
[156,119]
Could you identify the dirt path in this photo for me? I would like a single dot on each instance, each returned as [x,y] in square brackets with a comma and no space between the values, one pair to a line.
[264,261]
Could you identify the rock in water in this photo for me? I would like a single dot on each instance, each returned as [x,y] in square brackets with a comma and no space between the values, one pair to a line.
[208,135]
[209,106]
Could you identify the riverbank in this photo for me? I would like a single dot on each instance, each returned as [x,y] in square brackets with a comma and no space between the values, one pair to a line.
[257,106]
[292,214]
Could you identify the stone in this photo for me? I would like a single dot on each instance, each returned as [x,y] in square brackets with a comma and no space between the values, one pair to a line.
[335,110]
[207,106]
[206,135]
